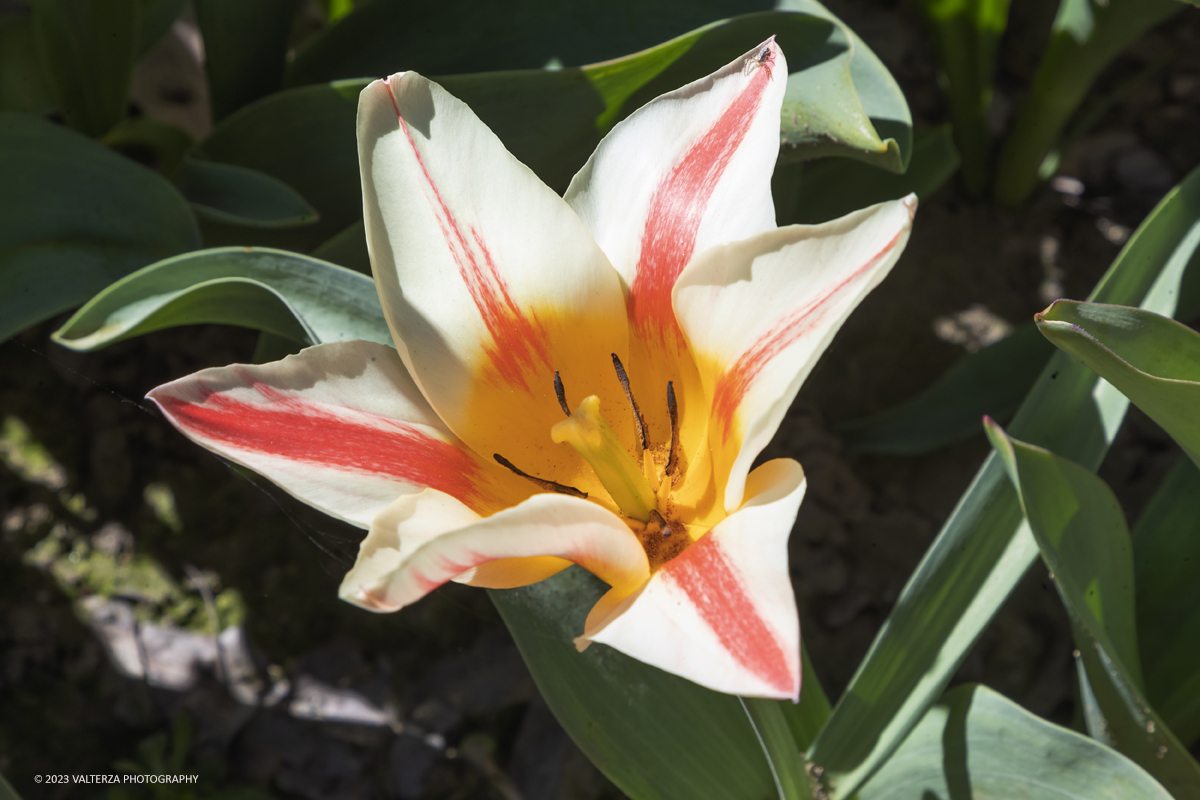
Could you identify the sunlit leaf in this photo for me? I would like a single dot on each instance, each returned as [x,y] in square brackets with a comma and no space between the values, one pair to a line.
[287,294]
[74,217]
[983,549]
[975,743]
[1086,36]
[966,34]
[1081,532]
[1152,360]
[552,120]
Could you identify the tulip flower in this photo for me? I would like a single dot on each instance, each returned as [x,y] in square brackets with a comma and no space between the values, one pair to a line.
[576,380]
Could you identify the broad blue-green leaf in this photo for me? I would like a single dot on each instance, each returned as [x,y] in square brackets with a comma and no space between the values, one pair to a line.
[87,48]
[840,100]
[983,549]
[1082,535]
[241,196]
[287,294]
[1087,35]
[992,381]
[552,120]
[245,45]
[23,82]
[1166,557]
[1152,360]
[347,248]
[74,217]
[966,34]
[654,735]
[822,190]
[977,744]
[151,142]
[780,748]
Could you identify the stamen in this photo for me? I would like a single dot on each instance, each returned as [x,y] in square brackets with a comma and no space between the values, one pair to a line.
[593,438]
[663,525]
[639,421]
[673,410]
[561,394]
[549,486]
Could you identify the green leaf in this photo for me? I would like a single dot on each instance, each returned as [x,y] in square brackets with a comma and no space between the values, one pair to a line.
[154,19]
[7,792]
[287,294]
[966,34]
[245,46]
[655,735]
[983,549]
[1152,360]
[1166,557]
[87,48]
[1081,532]
[992,382]
[844,105]
[74,217]
[241,196]
[1087,35]
[348,248]
[552,120]
[977,744]
[151,142]
[819,191]
[806,718]
[24,85]
[784,758]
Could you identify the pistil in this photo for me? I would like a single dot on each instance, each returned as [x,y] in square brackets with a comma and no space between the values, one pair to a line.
[594,439]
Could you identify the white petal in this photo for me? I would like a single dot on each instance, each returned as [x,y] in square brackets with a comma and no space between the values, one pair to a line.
[759,313]
[423,540]
[489,281]
[688,170]
[341,426]
[723,613]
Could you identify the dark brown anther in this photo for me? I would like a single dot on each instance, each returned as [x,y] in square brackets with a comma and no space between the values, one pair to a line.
[661,521]
[549,486]
[673,410]
[561,394]
[639,421]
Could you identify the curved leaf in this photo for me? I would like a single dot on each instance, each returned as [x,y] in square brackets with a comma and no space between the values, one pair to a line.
[654,735]
[87,50]
[977,744]
[74,217]
[992,382]
[823,190]
[241,196]
[1083,539]
[286,294]
[1166,557]
[552,120]
[983,549]
[1152,360]
[1087,35]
